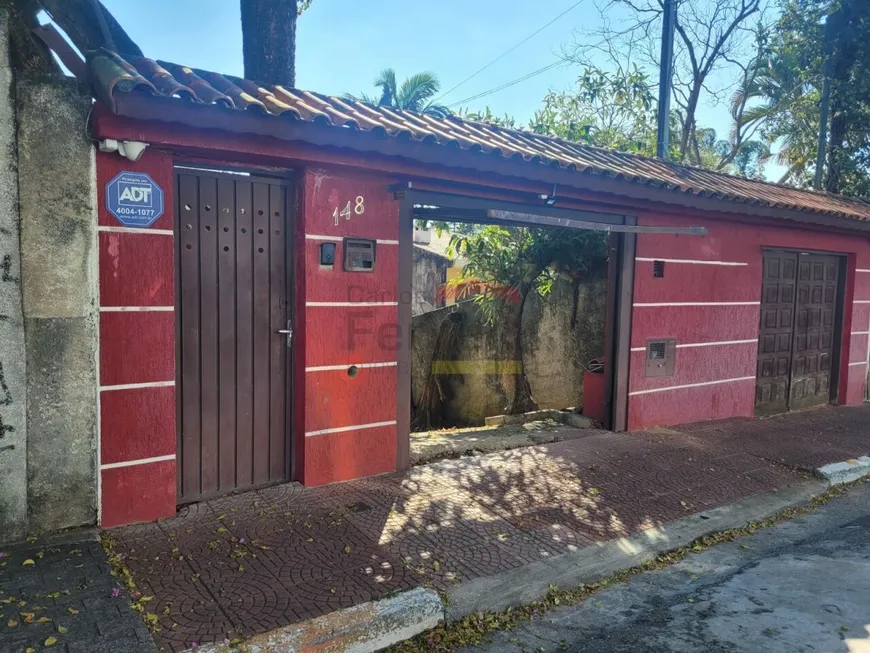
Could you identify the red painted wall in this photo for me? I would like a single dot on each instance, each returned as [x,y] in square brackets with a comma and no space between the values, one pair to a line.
[137,353]
[721,377]
[346,425]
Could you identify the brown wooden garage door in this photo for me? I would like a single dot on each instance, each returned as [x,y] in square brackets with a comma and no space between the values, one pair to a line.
[233,266]
[799,306]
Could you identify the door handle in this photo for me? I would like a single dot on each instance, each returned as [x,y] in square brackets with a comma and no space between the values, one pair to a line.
[287,332]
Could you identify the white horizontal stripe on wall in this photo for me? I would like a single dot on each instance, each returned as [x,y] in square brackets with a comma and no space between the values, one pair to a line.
[862,270]
[858,363]
[707,344]
[136,230]
[331,368]
[691,385]
[343,429]
[333,304]
[338,239]
[141,461]
[134,309]
[860,333]
[670,304]
[692,261]
[861,301]
[136,386]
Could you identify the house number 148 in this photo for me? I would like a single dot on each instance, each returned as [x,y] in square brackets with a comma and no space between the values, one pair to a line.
[359,208]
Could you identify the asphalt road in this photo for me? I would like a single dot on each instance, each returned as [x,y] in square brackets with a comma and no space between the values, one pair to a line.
[801,586]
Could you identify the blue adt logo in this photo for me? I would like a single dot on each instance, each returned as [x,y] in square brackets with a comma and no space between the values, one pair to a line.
[134,199]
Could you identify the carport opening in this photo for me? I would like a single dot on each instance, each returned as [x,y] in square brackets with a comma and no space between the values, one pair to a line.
[509,320]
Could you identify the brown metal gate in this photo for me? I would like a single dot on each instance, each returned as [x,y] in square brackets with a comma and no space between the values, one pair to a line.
[233,301]
[797,338]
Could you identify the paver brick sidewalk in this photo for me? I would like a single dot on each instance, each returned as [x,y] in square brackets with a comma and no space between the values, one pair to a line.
[257,561]
[57,594]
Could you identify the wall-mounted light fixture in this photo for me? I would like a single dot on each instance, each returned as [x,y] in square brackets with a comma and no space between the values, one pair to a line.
[132,150]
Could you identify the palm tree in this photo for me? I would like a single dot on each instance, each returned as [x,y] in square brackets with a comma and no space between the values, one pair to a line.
[415,94]
[787,111]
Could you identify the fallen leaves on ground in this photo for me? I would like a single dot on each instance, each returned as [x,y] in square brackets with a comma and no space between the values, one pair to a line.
[472,629]
[151,620]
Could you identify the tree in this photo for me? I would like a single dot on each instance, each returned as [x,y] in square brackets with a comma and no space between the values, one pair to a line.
[512,262]
[415,94]
[849,139]
[614,110]
[712,40]
[789,88]
[784,108]
[268,33]
[269,40]
[617,110]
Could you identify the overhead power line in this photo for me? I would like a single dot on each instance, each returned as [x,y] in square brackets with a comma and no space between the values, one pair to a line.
[507,52]
[534,73]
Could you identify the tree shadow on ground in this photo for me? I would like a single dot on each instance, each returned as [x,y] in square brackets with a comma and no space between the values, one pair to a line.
[256,561]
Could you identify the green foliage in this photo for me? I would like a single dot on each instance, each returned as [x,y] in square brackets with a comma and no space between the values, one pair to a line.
[487,116]
[441,226]
[618,111]
[713,43]
[512,261]
[788,89]
[413,94]
[606,109]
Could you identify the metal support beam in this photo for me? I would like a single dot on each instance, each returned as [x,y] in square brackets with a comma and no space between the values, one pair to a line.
[403,344]
[548,221]
[666,71]
[830,30]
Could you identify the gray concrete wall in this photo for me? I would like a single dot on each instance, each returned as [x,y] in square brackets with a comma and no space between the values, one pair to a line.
[430,273]
[13,428]
[554,360]
[555,354]
[58,212]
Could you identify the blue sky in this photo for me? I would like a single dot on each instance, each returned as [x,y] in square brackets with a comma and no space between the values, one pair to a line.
[343,44]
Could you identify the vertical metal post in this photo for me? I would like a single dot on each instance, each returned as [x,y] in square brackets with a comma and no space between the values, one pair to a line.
[403,354]
[666,70]
[826,102]
[625,301]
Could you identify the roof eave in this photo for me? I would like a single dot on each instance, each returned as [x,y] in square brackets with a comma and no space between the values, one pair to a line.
[142,106]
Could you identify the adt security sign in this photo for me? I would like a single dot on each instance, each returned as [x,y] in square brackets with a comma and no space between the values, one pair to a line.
[134,199]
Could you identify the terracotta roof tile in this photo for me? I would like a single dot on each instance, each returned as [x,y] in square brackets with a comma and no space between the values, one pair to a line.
[111,74]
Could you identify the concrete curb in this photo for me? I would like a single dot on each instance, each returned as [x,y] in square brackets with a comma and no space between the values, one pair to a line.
[375,625]
[844,472]
[360,629]
[531,582]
